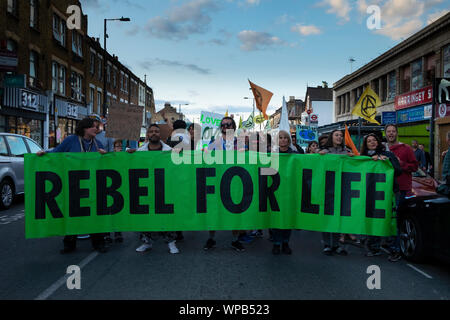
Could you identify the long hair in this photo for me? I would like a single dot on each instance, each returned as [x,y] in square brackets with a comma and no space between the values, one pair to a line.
[308,150]
[329,143]
[380,147]
[86,123]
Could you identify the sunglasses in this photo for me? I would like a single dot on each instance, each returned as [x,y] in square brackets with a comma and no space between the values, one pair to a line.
[227,124]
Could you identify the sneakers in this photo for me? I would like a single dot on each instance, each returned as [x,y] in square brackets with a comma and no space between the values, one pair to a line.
[373,253]
[146,246]
[256,234]
[394,257]
[173,248]
[245,238]
[340,251]
[327,251]
[108,239]
[236,245]
[118,237]
[276,250]
[286,249]
[210,244]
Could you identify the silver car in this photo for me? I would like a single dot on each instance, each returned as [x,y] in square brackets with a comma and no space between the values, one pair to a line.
[12,150]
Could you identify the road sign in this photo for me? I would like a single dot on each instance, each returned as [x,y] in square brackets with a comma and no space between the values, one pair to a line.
[388,117]
[309,111]
[314,118]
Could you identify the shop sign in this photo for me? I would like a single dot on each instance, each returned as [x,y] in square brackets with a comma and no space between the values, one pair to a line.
[414,98]
[388,117]
[15,81]
[29,100]
[443,110]
[72,111]
[414,114]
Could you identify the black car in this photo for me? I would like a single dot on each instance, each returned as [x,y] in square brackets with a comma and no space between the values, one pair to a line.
[424,224]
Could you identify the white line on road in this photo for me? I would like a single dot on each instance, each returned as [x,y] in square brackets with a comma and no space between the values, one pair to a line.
[50,290]
[420,271]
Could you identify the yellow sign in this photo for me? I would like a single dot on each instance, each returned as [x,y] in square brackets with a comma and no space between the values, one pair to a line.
[367,105]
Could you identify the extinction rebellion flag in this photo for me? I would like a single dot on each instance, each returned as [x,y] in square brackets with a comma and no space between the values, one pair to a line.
[83,193]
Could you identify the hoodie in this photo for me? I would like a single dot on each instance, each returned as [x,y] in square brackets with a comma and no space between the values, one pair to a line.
[408,163]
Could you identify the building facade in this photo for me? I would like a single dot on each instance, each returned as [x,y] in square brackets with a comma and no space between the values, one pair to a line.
[403,78]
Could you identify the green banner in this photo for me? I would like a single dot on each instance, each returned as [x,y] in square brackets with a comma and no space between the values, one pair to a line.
[83,193]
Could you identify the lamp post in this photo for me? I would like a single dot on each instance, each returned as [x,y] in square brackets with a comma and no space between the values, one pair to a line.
[105,35]
[179,108]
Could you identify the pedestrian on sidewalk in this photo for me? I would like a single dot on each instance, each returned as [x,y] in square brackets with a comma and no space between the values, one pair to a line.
[82,141]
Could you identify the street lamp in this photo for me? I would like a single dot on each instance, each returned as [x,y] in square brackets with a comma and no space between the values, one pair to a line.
[105,35]
[247,98]
[179,106]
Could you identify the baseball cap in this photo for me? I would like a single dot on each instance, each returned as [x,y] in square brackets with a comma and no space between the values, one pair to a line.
[95,117]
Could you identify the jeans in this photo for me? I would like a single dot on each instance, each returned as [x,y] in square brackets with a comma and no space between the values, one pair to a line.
[399,199]
[330,239]
[281,236]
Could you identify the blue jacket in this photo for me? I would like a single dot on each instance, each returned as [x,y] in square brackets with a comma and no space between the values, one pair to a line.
[72,144]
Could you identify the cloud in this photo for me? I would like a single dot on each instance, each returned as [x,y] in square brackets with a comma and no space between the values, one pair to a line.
[306,30]
[436,15]
[183,21]
[402,30]
[146,65]
[341,8]
[254,40]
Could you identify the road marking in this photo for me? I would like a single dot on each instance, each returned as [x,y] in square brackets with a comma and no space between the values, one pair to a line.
[420,271]
[62,281]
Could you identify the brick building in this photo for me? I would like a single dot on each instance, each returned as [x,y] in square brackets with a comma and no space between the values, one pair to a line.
[58,77]
[403,79]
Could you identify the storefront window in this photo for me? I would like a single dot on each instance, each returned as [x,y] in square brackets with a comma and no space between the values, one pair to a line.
[66,127]
[416,75]
[27,127]
[446,61]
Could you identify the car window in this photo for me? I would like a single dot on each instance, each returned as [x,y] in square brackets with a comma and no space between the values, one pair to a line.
[34,147]
[17,146]
[3,148]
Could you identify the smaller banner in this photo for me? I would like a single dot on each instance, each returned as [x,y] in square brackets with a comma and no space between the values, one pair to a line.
[306,134]
[210,123]
[124,121]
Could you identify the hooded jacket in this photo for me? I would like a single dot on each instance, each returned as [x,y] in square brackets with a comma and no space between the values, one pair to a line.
[408,163]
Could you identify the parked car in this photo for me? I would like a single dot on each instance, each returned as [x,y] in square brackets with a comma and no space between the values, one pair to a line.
[424,221]
[12,150]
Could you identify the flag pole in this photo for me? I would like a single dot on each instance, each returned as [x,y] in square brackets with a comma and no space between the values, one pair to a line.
[359,133]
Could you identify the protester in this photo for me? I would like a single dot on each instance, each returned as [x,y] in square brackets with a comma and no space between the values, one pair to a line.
[117,147]
[281,237]
[335,145]
[420,155]
[372,147]
[82,141]
[429,162]
[409,164]
[179,134]
[227,141]
[108,143]
[154,143]
[313,147]
[323,141]
[294,143]
[194,131]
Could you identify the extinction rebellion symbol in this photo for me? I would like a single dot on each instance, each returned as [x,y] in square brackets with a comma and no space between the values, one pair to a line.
[368,106]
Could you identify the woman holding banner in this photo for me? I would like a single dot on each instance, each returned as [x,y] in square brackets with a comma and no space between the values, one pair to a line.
[84,140]
[335,145]
[281,237]
[372,147]
[313,147]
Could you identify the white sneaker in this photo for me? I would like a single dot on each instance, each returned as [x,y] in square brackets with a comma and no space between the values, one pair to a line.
[144,247]
[173,248]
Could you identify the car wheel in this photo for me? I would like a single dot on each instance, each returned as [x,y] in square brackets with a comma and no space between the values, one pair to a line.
[411,239]
[7,194]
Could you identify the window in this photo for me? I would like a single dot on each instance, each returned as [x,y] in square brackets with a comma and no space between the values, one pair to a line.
[77,43]
[33,146]
[59,30]
[12,7]
[115,78]
[11,45]
[3,148]
[99,101]
[446,61]
[76,81]
[406,79]
[430,69]
[392,85]
[34,65]
[100,66]
[416,75]
[108,73]
[58,78]
[34,14]
[17,146]
[92,63]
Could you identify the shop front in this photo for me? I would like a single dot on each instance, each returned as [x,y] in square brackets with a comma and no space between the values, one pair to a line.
[24,112]
[414,111]
[66,115]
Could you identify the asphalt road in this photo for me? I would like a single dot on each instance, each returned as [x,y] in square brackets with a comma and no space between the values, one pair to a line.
[34,269]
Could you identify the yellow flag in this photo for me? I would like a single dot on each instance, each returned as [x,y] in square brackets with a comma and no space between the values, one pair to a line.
[226,114]
[367,105]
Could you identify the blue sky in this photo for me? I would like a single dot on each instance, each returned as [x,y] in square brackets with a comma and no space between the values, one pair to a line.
[202,52]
